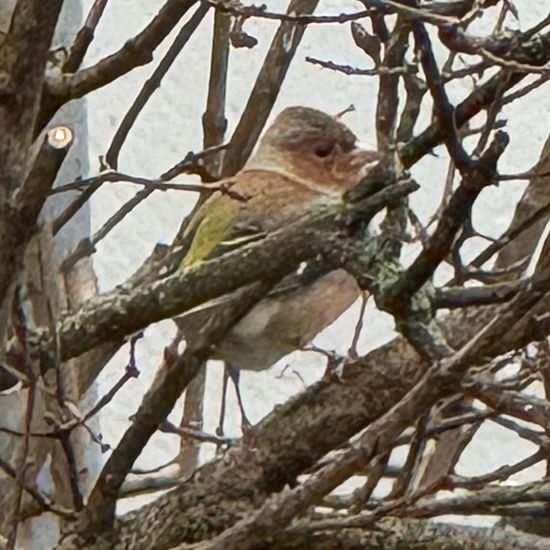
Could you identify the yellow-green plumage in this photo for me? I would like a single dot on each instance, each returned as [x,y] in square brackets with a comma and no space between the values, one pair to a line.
[211,227]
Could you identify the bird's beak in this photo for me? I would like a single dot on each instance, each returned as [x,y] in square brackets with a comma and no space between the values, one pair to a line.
[364,158]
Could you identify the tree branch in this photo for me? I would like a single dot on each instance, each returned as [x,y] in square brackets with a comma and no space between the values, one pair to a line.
[62,87]
[266,88]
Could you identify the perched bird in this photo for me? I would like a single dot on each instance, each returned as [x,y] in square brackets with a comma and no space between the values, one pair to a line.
[305,157]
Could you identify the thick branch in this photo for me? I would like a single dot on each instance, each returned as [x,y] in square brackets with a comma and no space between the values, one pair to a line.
[441,380]
[32,194]
[292,438]
[23,58]
[393,533]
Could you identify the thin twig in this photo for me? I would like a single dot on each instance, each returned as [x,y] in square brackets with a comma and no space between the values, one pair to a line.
[444,111]
[349,70]
[152,84]
[41,499]
[266,88]
[19,323]
[191,162]
[158,184]
[389,6]
[352,351]
[84,37]
[197,435]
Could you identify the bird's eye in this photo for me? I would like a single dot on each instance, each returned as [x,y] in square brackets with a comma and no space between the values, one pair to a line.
[324,150]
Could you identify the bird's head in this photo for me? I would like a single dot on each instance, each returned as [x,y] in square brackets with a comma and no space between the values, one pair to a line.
[311,145]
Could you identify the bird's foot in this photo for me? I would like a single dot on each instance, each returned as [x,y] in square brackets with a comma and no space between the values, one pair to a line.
[335,364]
[333,369]
[248,431]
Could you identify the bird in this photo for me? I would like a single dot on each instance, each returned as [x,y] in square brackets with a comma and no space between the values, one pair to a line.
[305,157]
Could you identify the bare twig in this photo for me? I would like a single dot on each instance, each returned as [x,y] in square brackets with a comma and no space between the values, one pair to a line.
[197,435]
[191,162]
[44,501]
[349,70]
[21,330]
[61,87]
[214,122]
[444,111]
[387,6]
[160,185]
[152,84]
[352,352]
[456,213]
[266,88]
[84,37]
[500,474]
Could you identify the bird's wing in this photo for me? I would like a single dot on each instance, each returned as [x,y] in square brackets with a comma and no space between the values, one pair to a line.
[218,230]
